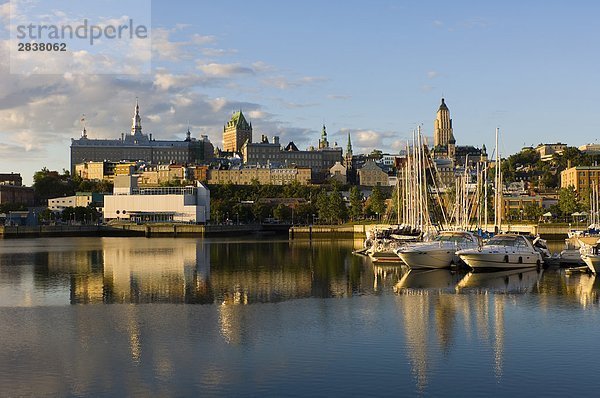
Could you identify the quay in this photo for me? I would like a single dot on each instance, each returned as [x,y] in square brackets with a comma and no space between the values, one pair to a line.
[147,230]
[359,231]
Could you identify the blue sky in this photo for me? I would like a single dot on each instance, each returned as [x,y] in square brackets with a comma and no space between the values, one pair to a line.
[375,69]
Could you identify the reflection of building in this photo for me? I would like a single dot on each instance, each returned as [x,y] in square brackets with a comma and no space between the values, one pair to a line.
[136,146]
[180,204]
[141,270]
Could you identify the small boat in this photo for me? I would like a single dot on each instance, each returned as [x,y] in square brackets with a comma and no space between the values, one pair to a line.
[440,252]
[503,251]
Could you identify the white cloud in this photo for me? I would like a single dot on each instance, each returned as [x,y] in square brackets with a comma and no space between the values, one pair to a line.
[224,70]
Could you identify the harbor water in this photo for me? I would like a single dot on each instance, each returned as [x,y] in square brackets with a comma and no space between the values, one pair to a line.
[266,317]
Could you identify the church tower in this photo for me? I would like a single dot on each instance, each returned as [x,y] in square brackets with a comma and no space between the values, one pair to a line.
[136,125]
[236,132]
[323,143]
[442,127]
[348,159]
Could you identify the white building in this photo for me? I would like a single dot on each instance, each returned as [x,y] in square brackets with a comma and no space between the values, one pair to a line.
[163,204]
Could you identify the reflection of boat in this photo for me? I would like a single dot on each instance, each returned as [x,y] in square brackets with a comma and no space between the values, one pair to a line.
[502,252]
[590,255]
[584,287]
[428,279]
[440,252]
[513,280]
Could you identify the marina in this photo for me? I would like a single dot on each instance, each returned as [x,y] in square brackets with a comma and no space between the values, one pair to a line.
[247,317]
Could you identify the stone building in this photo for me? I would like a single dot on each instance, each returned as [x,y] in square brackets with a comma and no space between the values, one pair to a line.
[136,146]
[371,175]
[443,136]
[581,178]
[236,132]
[262,175]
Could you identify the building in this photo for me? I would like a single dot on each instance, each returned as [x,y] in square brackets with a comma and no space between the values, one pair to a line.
[136,146]
[590,149]
[265,153]
[161,204]
[11,179]
[260,175]
[514,206]
[443,136]
[371,175]
[581,178]
[14,194]
[80,199]
[236,132]
[338,173]
[547,151]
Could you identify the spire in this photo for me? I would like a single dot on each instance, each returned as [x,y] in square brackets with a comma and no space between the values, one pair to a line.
[323,143]
[84,131]
[349,147]
[443,106]
[324,133]
[136,127]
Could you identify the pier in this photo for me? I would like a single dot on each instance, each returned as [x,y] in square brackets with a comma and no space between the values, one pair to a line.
[147,230]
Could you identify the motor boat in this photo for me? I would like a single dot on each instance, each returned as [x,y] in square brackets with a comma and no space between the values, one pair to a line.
[439,252]
[503,251]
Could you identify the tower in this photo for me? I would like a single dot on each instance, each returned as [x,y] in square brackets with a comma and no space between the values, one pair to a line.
[136,126]
[348,159]
[236,132]
[323,143]
[442,127]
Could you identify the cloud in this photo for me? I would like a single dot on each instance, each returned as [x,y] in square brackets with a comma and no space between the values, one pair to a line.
[284,82]
[432,74]
[224,70]
[338,97]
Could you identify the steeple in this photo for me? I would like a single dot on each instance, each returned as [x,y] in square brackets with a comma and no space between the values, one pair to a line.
[349,146]
[323,143]
[136,127]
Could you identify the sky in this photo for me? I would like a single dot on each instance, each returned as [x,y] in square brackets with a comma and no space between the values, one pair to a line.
[374,69]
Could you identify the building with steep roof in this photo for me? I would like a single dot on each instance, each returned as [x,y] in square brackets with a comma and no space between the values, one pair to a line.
[236,132]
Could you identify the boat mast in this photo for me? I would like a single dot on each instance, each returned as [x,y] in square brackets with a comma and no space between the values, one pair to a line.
[496,184]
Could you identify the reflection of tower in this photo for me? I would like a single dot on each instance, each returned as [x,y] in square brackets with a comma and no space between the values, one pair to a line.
[499,339]
[416,327]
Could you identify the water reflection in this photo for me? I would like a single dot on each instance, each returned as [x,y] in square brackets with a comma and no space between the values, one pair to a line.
[509,281]
[424,320]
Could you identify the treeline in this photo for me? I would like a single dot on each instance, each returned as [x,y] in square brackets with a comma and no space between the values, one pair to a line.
[52,184]
[322,204]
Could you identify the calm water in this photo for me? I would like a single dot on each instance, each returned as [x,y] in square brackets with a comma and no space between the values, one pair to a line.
[181,317]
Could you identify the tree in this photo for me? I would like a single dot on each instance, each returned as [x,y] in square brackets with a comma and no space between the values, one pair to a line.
[567,201]
[532,211]
[376,201]
[356,203]
[323,206]
[337,207]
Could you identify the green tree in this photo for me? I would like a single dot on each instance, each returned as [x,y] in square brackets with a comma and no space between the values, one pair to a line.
[567,201]
[377,201]
[532,211]
[323,206]
[356,203]
[337,207]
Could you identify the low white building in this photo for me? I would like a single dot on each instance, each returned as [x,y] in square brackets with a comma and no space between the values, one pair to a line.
[162,204]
